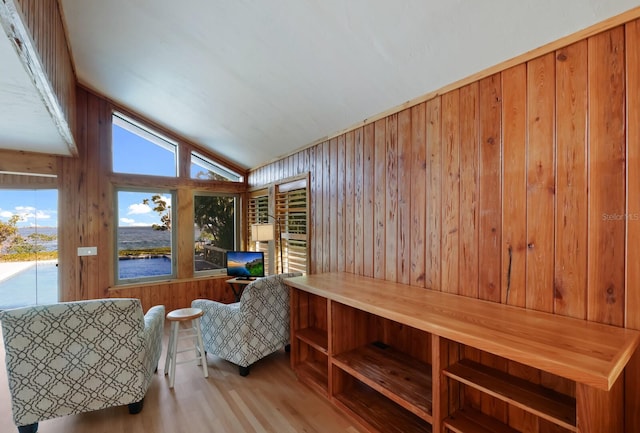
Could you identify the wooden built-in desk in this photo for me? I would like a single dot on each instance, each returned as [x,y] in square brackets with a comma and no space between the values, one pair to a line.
[237,286]
[395,357]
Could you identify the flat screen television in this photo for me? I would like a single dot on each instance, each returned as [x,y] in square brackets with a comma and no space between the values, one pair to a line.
[245,264]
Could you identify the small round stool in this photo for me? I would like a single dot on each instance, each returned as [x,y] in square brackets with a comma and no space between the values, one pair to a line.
[193,333]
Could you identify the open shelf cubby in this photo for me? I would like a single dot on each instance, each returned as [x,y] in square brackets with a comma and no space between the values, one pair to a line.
[384,362]
[314,371]
[399,377]
[316,338]
[543,402]
[469,420]
[373,410]
[309,340]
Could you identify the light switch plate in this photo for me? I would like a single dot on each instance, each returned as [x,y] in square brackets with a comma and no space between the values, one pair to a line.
[87,251]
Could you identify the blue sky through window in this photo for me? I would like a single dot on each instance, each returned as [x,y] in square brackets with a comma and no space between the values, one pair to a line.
[132,212]
[135,154]
[40,208]
[35,207]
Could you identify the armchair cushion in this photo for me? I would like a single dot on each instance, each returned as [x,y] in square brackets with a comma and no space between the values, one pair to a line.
[252,328]
[75,357]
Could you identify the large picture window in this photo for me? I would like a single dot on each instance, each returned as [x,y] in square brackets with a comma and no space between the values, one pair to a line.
[144,236]
[153,210]
[215,223]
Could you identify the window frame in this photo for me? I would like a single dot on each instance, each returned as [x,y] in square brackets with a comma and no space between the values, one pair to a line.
[237,210]
[276,214]
[229,174]
[181,186]
[174,219]
[149,134]
[282,193]
[258,211]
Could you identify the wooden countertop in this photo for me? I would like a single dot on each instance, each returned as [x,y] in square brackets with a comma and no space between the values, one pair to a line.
[587,352]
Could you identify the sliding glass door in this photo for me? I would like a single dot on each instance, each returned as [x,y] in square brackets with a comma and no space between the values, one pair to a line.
[28,247]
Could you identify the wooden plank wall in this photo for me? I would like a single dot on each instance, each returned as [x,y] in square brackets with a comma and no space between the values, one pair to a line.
[520,188]
[87,218]
[27,163]
[15,181]
[632,312]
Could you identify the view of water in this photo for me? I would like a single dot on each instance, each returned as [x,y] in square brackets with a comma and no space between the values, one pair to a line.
[129,238]
[49,231]
[148,267]
[138,238]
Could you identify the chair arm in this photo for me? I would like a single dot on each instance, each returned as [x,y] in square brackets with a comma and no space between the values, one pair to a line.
[218,309]
[218,319]
[152,338]
[154,319]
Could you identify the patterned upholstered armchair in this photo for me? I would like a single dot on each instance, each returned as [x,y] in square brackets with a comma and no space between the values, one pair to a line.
[75,357]
[250,329]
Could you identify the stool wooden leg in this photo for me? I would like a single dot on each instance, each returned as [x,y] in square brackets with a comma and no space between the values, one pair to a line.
[195,326]
[174,349]
[200,347]
[167,358]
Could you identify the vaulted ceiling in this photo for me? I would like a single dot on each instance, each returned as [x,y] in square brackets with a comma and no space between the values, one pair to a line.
[253,80]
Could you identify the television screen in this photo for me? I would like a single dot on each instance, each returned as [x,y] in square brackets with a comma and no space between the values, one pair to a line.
[245,264]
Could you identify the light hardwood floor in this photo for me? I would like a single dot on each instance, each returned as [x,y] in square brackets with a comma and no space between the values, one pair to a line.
[270,399]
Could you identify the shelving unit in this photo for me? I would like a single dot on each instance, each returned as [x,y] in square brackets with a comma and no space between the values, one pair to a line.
[372,379]
[396,359]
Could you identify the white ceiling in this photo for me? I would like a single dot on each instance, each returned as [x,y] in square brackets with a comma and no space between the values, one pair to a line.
[253,80]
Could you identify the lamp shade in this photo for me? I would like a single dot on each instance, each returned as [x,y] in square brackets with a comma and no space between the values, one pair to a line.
[262,232]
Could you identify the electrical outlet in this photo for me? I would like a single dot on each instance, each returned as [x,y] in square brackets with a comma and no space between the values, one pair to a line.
[87,251]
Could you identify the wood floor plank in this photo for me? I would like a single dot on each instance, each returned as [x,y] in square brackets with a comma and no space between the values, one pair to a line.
[270,399]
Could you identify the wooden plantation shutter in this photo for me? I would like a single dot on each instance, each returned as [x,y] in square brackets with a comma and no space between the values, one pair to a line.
[258,212]
[291,211]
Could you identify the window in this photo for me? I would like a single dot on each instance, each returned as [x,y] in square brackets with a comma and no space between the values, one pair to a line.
[144,237]
[146,208]
[215,222]
[291,212]
[29,240]
[138,150]
[205,169]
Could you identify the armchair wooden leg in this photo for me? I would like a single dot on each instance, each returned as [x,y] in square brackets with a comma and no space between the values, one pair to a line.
[31,428]
[134,408]
[244,371]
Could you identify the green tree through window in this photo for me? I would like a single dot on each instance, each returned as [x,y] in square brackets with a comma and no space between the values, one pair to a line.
[215,221]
